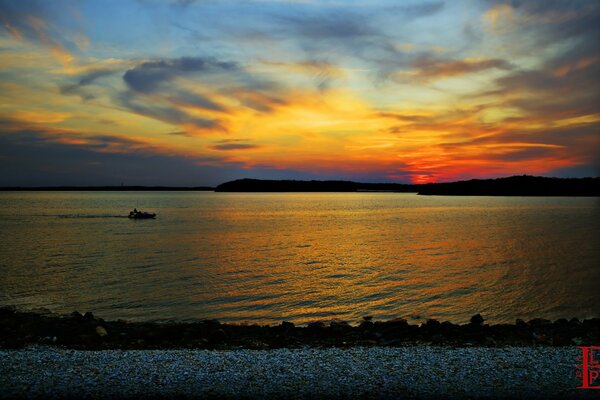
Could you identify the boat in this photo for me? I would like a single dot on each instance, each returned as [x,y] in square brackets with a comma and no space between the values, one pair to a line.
[135,214]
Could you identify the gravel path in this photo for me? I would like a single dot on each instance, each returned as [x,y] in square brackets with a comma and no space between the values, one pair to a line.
[375,372]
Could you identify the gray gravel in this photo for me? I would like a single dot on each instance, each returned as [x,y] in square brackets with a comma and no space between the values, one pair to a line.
[375,372]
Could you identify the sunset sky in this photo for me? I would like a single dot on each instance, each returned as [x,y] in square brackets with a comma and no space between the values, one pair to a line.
[186,92]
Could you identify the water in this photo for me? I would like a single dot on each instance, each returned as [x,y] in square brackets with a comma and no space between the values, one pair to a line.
[265,258]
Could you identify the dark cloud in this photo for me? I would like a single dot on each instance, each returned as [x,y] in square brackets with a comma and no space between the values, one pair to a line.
[179,133]
[400,116]
[341,27]
[183,4]
[31,157]
[87,79]
[148,76]
[196,100]
[560,19]
[90,77]
[561,93]
[341,34]
[234,145]
[428,68]
[62,164]
[167,113]
[48,23]
[15,17]
[258,101]
[76,90]
[336,31]
[415,11]
[563,87]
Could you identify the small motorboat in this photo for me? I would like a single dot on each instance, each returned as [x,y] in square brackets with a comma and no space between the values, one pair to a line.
[135,214]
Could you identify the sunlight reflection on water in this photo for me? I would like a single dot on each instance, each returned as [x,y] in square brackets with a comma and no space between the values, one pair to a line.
[300,256]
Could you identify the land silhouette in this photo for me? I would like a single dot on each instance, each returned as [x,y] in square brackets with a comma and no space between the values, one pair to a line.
[523,185]
[260,185]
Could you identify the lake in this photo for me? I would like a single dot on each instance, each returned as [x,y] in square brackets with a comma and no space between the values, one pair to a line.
[300,257]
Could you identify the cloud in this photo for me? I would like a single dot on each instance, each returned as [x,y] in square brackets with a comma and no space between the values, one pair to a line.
[154,91]
[428,68]
[168,113]
[259,101]
[234,146]
[37,21]
[322,72]
[91,76]
[39,157]
[535,24]
[86,79]
[346,33]
[196,100]
[148,76]
[414,11]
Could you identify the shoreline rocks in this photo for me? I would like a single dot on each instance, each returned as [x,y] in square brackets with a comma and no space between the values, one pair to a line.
[19,329]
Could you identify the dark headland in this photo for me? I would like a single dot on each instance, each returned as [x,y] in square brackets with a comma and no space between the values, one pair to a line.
[523,185]
[261,185]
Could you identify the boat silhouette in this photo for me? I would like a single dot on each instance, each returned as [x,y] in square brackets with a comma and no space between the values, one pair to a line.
[135,214]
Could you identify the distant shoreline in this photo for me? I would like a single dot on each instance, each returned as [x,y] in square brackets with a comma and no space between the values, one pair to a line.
[510,186]
[523,185]
[107,189]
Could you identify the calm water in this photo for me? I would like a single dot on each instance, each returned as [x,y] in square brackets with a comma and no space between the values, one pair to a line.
[300,256]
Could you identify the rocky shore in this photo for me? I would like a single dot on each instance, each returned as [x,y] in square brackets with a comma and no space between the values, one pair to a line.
[86,332]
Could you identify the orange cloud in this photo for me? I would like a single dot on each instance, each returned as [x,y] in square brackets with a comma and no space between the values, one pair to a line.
[39,116]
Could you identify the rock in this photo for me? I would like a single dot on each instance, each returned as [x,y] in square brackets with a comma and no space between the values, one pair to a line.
[8,310]
[432,323]
[477,319]
[101,331]
[541,339]
[398,321]
[76,315]
[88,340]
[561,340]
[366,324]
[88,316]
[287,325]
[489,341]
[539,322]
[339,324]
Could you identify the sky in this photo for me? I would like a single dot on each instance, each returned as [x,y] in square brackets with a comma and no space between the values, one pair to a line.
[192,93]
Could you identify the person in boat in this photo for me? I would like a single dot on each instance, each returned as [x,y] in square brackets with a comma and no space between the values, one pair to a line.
[134,212]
